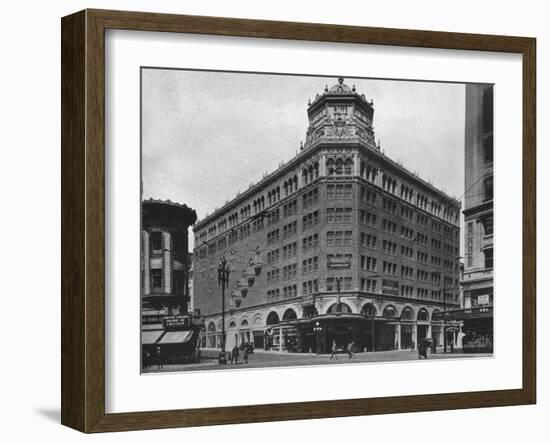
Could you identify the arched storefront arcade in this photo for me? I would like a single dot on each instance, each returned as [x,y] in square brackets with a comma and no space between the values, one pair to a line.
[371,325]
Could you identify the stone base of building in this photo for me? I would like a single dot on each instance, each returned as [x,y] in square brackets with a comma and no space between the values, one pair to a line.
[372,325]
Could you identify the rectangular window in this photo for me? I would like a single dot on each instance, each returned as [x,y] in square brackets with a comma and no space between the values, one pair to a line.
[156,241]
[368,241]
[368,196]
[488,258]
[347,238]
[488,188]
[487,104]
[310,198]
[347,283]
[347,192]
[156,276]
[488,150]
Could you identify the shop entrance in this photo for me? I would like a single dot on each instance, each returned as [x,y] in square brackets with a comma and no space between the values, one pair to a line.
[422,332]
[342,334]
[407,336]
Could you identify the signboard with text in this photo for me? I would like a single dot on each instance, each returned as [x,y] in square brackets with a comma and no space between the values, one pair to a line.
[483,299]
[339,262]
[176,321]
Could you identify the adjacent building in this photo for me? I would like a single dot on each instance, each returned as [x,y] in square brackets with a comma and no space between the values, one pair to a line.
[164,277]
[340,243]
[477,282]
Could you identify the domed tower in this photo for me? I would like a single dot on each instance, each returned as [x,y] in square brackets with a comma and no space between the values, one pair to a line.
[340,114]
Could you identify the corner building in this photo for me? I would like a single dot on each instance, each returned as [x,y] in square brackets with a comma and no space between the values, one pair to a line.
[164,257]
[339,243]
[477,309]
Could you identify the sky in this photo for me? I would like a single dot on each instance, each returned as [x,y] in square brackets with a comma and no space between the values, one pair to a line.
[208,135]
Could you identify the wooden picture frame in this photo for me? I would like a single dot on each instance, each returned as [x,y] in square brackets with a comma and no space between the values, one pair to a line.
[83,220]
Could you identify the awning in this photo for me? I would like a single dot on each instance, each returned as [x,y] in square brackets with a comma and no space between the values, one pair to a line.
[150,336]
[176,337]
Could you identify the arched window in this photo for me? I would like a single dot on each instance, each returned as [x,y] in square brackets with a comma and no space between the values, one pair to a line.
[436,315]
[339,166]
[348,166]
[272,318]
[289,315]
[423,315]
[212,327]
[331,167]
[244,324]
[368,310]
[316,170]
[389,312]
[232,324]
[344,308]
[374,174]
[258,321]
[407,314]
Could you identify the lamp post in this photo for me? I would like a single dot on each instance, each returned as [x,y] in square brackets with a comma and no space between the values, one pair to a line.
[338,302]
[444,309]
[223,282]
[372,316]
[444,315]
[317,329]
[457,258]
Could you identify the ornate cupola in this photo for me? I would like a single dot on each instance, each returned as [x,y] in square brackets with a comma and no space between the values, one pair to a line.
[340,114]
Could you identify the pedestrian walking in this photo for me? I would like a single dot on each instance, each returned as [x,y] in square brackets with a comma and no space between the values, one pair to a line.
[245,354]
[350,349]
[412,344]
[423,350]
[333,353]
[235,355]
[158,355]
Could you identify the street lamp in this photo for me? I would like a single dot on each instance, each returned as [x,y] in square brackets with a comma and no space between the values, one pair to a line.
[339,303]
[223,282]
[317,329]
[456,258]
[444,307]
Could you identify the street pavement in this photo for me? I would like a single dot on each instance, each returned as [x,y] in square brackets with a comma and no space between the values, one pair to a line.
[263,359]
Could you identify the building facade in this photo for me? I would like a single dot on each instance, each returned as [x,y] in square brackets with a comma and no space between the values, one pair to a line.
[169,331]
[477,282]
[164,255]
[338,244]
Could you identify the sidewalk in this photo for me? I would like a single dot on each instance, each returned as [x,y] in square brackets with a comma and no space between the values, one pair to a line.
[263,358]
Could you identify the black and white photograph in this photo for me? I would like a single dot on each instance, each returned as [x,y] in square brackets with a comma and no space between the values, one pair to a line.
[304,220]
